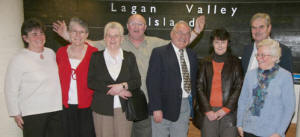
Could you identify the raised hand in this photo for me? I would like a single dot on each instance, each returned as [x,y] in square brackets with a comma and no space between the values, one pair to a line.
[199,25]
[60,28]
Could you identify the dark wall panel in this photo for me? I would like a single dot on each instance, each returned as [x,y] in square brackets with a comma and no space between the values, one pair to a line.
[160,15]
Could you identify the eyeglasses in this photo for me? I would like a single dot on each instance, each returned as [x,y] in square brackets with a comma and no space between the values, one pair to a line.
[261,55]
[77,32]
[136,24]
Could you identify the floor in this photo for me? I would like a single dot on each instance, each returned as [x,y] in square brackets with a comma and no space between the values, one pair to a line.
[195,132]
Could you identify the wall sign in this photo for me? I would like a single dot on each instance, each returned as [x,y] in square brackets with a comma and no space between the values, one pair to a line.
[161,15]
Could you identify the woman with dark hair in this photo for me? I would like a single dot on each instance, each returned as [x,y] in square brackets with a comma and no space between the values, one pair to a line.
[219,83]
[73,63]
[32,88]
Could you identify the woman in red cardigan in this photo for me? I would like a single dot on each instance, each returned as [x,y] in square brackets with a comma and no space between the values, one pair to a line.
[73,62]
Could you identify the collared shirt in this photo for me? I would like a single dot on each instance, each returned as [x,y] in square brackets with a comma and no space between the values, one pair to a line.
[142,53]
[184,93]
[114,67]
[253,64]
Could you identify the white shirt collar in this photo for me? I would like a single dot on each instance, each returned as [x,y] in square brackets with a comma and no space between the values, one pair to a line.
[254,48]
[119,57]
[176,49]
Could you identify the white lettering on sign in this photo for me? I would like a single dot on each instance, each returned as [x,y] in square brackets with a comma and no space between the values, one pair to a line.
[169,21]
[132,9]
[211,9]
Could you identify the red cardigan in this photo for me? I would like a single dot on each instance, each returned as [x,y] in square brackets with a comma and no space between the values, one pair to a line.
[84,94]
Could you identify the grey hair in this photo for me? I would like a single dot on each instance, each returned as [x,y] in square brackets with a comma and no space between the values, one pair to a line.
[273,45]
[80,22]
[261,16]
[180,22]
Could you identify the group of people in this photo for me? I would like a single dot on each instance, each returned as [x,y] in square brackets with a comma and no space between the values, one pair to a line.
[82,90]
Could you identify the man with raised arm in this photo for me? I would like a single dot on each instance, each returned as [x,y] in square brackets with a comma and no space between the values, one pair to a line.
[141,45]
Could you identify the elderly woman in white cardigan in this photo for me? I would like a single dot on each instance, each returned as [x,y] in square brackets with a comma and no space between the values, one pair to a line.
[32,88]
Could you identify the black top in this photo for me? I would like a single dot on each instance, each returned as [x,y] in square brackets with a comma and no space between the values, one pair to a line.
[99,78]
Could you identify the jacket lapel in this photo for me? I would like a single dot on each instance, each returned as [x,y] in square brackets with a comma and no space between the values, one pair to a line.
[173,59]
[247,57]
[173,63]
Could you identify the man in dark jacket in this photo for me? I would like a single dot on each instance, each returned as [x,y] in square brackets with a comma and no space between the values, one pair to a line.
[171,80]
[261,29]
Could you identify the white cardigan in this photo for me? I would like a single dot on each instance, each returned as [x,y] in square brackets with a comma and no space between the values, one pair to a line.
[32,84]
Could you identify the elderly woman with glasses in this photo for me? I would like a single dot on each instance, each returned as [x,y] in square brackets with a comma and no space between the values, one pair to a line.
[267,101]
[73,63]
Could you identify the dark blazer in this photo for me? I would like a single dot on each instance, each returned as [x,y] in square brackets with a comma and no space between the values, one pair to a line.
[285,59]
[164,81]
[99,78]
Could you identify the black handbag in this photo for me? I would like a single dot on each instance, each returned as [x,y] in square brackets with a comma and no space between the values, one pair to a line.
[136,108]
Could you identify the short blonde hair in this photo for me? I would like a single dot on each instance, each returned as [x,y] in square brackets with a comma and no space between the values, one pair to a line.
[262,16]
[274,47]
[114,25]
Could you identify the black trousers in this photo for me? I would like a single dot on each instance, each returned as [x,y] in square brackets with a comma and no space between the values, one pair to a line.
[78,122]
[249,135]
[43,125]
